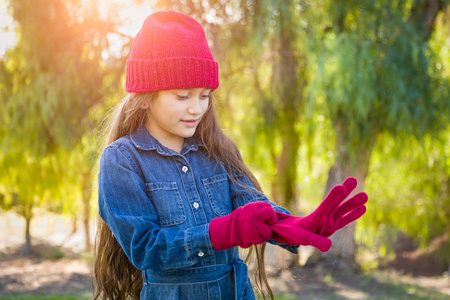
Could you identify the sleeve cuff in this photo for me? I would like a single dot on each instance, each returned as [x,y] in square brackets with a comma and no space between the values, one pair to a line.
[198,242]
[220,239]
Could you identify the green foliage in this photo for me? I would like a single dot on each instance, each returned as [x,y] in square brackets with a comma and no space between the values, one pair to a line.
[373,68]
[58,73]
[51,82]
[411,186]
[380,69]
[409,177]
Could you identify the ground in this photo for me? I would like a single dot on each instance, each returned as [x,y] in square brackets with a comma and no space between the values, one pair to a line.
[52,270]
[59,269]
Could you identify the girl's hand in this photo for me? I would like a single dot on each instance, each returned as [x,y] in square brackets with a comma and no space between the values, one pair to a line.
[291,235]
[329,217]
[245,226]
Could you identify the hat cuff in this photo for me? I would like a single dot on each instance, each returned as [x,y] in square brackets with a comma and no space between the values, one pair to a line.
[145,75]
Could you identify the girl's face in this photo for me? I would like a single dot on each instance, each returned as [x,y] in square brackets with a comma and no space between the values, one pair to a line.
[173,115]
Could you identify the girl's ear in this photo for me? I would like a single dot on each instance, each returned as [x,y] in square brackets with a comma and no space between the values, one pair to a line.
[145,105]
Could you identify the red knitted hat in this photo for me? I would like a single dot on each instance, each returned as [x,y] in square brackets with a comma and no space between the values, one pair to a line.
[170,52]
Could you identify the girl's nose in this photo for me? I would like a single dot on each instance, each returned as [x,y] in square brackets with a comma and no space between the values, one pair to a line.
[194,106]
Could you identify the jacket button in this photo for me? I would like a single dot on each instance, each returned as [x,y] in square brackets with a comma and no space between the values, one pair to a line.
[196,205]
[201,253]
[185,169]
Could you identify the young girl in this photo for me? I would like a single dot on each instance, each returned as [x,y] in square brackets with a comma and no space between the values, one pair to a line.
[175,197]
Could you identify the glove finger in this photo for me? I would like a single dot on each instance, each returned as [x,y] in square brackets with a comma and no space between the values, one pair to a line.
[296,236]
[349,184]
[266,215]
[280,237]
[349,205]
[352,216]
[333,199]
[347,219]
[285,233]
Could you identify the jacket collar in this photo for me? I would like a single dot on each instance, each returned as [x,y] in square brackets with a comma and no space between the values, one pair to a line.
[143,140]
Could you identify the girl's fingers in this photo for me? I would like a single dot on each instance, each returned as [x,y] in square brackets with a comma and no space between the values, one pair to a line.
[349,205]
[349,184]
[292,235]
[334,198]
[352,216]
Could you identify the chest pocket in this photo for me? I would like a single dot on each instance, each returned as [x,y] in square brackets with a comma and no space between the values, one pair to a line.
[218,193]
[167,202]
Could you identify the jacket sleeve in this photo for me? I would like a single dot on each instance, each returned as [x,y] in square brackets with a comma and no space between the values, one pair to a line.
[242,191]
[125,207]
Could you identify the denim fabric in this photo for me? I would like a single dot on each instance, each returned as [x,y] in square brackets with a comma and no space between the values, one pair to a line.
[158,203]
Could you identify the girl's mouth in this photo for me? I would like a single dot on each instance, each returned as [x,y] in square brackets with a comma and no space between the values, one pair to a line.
[190,123]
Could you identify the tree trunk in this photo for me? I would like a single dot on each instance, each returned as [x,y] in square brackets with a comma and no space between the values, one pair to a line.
[286,176]
[86,185]
[351,160]
[286,182]
[423,16]
[343,249]
[27,246]
[288,88]
[74,224]
[288,83]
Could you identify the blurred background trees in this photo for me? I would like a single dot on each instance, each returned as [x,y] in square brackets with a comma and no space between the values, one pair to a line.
[376,74]
[312,92]
[53,79]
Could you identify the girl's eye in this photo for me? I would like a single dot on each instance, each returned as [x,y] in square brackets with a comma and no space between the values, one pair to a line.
[182,97]
[205,96]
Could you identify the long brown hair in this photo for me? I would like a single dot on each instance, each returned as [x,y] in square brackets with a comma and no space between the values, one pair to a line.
[114,277]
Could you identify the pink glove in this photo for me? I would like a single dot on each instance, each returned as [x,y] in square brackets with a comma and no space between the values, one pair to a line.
[245,226]
[329,217]
[286,233]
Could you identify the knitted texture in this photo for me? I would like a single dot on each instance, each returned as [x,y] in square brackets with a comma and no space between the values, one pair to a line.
[245,226]
[170,52]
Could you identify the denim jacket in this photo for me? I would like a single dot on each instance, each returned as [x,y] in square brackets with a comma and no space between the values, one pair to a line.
[158,203]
